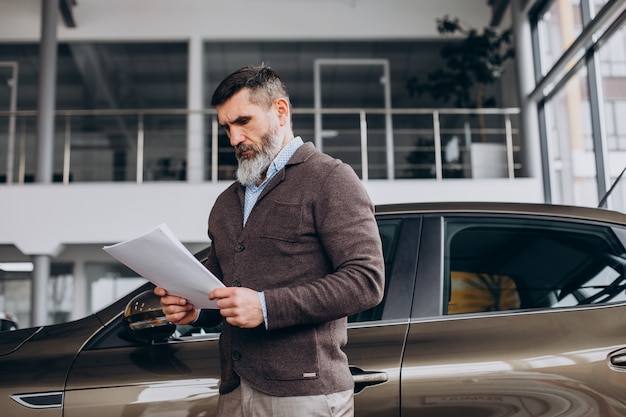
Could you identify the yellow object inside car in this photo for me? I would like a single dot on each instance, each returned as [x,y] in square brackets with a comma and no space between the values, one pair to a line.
[472,292]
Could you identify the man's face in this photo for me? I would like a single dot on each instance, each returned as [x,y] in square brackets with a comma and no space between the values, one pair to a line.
[254,132]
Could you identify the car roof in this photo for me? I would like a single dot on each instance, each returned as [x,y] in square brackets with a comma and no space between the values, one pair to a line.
[555,210]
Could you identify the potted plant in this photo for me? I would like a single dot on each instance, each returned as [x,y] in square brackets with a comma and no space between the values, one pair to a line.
[470,66]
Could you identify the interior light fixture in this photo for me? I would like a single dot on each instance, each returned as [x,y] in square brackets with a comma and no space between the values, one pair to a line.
[16,266]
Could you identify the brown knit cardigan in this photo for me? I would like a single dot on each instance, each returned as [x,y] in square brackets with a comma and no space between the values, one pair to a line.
[312,245]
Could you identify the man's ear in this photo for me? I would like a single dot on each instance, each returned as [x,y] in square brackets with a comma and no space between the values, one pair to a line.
[283,109]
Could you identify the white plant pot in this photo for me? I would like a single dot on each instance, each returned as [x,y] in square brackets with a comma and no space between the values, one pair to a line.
[488,160]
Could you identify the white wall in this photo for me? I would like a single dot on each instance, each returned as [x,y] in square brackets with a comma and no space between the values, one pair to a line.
[242,19]
[40,219]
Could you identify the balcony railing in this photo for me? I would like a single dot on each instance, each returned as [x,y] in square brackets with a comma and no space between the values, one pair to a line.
[152,145]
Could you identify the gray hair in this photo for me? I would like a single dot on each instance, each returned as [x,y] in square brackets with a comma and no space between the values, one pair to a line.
[263,82]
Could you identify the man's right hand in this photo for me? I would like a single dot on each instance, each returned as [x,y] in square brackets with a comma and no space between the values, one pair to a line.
[176,309]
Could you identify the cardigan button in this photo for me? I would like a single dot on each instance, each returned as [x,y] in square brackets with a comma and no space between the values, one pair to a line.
[235,356]
[237,283]
[239,247]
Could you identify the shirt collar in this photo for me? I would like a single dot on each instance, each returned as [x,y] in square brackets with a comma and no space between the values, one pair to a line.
[284,156]
[280,161]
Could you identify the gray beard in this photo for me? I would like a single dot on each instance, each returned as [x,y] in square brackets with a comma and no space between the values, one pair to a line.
[252,170]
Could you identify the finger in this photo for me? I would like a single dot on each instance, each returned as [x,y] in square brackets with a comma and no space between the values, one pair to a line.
[223,303]
[173,300]
[220,293]
[175,308]
[176,318]
[175,313]
[228,312]
[241,321]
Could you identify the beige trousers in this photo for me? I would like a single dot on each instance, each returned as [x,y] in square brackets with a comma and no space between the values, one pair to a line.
[245,401]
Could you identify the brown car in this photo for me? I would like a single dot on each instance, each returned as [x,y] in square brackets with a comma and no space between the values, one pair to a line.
[7,322]
[489,310]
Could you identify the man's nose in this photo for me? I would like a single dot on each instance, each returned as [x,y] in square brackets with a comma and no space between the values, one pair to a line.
[236,137]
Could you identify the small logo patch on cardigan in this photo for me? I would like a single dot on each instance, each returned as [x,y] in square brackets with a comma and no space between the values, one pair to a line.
[309,375]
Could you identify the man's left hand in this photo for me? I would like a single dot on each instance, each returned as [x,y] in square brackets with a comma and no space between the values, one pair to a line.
[240,306]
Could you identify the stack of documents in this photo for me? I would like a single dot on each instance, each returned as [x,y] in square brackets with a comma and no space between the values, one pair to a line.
[161,258]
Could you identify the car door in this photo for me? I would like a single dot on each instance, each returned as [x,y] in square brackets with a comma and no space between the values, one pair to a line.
[527,319]
[179,376]
[376,337]
[115,377]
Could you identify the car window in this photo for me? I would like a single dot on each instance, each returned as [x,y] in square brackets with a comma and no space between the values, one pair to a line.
[389,231]
[511,264]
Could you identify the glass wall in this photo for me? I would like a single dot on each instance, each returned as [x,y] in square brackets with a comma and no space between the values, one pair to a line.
[558,27]
[108,282]
[102,89]
[351,79]
[101,282]
[123,117]
[582,56]
[568,121]
[16,292]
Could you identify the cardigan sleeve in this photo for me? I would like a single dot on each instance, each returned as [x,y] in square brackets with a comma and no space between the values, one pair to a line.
[348,232]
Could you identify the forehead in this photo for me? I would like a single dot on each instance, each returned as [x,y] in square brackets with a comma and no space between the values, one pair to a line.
[237,106]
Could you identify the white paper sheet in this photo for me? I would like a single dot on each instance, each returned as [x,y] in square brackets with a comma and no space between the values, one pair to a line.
[162,259]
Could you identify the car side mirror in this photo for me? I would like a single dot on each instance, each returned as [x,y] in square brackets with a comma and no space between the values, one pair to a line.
[144,318]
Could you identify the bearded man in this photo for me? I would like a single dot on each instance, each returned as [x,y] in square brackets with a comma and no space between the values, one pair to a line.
[295,241]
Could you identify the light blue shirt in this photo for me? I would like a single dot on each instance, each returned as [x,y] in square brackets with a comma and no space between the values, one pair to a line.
[253,192]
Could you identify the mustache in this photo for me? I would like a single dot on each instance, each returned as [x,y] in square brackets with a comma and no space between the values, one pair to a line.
[241,148]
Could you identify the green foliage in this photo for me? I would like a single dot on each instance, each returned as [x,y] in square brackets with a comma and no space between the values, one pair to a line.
[470,65]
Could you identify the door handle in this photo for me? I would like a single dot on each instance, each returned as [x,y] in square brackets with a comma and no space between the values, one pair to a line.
[618,360]
[363,379]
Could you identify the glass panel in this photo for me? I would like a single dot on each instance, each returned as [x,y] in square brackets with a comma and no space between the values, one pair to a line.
[414,146]
[569,140]
[598,5]
[226,160]
[558,27]
[613,70]
[165,148]
[100,77]
[8,139]
[510,264]
[60,293]
[341,138]
[15,295]
[23,158]
[102,148]
[107,283]
[349,86]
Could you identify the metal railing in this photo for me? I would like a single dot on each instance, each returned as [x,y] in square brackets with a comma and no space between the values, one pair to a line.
[151,145]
